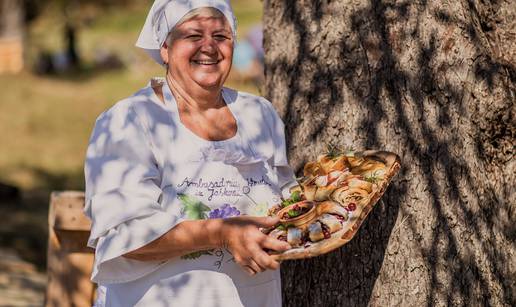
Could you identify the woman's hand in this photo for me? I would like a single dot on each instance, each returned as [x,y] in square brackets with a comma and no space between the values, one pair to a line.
[242,237]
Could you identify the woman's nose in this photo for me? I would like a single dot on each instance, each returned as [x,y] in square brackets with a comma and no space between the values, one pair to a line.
[209,45]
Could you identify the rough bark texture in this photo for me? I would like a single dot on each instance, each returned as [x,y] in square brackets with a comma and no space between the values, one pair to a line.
[433,81]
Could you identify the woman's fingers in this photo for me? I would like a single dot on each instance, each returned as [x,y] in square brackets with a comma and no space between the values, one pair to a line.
[265,261]
[265,221]
[257,260]
[247,243]
[255,266]
[249,270]
[275,244]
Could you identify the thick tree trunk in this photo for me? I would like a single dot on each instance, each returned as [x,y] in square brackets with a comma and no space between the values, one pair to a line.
[11,36]
[433,81]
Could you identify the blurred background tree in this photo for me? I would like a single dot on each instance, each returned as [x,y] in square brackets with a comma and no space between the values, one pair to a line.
[11,13]
[11,36]
[74,15]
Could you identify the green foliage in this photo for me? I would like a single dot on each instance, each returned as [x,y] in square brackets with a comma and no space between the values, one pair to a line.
[294,213]
[193,209]
[284,226]
[294,198]
[374,178]
[333,151]
[196,255]
[281,227]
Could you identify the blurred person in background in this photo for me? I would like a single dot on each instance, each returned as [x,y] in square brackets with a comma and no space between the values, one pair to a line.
[248,56]
[179,176]
[255,38]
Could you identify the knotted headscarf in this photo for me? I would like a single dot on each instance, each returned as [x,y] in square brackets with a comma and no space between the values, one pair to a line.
[164,16]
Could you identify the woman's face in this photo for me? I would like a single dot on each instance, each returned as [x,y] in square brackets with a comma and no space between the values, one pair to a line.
[200,52]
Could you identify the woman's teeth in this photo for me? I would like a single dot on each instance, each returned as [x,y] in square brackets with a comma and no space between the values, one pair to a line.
[206,62]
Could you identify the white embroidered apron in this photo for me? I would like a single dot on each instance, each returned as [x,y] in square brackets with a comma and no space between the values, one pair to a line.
[206,180]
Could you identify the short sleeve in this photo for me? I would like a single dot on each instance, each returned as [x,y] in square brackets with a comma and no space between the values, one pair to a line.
[284,172]
[123,195]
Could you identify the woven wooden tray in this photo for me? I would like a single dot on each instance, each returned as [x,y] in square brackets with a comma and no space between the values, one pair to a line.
[356,217]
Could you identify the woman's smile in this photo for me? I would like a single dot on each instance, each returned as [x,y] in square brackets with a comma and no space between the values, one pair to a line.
[206,62]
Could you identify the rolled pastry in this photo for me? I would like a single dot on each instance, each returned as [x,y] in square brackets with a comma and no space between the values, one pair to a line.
[312,169]
[294,236]
[361,184]
[343,178]
[309,191]
[355,161]
[279,234]
[368,166]
[321,181]
[378,172]
[331,222]
[339,210]
[346,194]
[329,164]
[315,232]
[334,175]
[323,193]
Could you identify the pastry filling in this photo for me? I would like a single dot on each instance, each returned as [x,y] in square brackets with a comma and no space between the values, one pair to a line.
[351,207]
[326,231]
[295,212]
[339,217]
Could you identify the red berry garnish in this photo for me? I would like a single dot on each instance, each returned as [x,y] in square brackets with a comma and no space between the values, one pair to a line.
[352,207]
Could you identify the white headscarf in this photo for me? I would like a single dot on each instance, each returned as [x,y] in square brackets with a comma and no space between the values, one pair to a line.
[165,14]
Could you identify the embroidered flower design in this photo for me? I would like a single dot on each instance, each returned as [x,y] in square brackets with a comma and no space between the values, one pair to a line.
[224,212]
[260,209]
[193,209]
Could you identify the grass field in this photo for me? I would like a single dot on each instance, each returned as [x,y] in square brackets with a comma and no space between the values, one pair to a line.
[46,120]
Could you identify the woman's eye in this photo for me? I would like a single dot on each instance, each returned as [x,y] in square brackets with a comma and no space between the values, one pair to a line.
[194,37]
[220,37]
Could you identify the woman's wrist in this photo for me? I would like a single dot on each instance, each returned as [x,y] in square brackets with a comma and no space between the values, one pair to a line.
[215,232]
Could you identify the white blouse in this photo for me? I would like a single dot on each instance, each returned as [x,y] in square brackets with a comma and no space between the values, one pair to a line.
[146,172]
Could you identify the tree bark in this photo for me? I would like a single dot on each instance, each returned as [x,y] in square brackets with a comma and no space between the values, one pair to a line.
[434,82]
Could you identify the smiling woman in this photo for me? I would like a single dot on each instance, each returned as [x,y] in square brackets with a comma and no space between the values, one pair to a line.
[166,170]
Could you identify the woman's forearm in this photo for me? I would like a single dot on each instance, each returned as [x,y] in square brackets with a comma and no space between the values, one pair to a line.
[184,238]
[240,235]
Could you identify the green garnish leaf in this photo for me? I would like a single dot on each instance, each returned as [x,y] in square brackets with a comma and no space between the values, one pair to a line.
[295,196]
[374,178]
[333,150]
[349,152]
[293,213]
